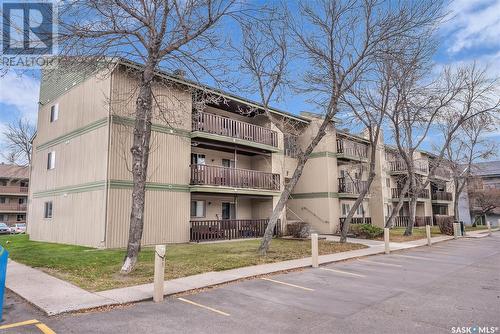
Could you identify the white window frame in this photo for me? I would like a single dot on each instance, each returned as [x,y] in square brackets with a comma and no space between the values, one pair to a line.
[54,113]
[48,210]
[51,160]
[203,208]
[346,207]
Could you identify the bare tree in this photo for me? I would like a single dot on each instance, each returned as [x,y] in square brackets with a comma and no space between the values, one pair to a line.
[446,104]
[155,33]
[468,146]
[482,200]
[338,41]
[17,138]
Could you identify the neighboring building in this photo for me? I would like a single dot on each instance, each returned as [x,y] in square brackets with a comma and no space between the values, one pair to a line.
[483,190]
[215,173]
[13,193]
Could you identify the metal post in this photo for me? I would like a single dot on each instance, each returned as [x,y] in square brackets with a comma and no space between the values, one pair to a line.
[428,232]
[488,224]
[159,274]
[386,240]
[314,250]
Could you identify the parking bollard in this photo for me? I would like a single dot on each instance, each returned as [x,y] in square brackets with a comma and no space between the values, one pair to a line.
[455,230]
[159,274]
[428,232]
[488,224]
[386,240]
[314,250]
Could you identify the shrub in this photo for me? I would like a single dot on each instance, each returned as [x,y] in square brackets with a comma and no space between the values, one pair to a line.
[298,229]
[366,231]
[445,224]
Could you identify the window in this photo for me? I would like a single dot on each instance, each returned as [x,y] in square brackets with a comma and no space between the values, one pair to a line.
[3,218]
[360,210]
[291,145]
[345,209]
[20,218]
[228,163]
[22,200]
[197,159]
[3,200]
[228,210]
[51,160]
[388,182]
[198,209]
[54,113]
[47,212]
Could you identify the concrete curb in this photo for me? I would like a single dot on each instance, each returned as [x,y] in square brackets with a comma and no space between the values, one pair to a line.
[57,296]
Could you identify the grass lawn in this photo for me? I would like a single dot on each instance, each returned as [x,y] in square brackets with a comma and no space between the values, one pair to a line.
[476,228]
[97,270]
[396,234]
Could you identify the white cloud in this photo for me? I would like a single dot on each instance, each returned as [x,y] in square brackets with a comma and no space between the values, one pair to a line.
[20,93]
[473,24]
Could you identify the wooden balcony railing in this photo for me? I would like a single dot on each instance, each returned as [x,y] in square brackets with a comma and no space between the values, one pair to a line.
[400,166]
[442,196]
[233,177]
[355,220]
[14,189]
[402,221]
[12,207]
[224,126]
[352,148]
[396,193]
[227,229]
[351,186]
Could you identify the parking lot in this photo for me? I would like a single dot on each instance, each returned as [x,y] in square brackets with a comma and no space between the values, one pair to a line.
[451,284]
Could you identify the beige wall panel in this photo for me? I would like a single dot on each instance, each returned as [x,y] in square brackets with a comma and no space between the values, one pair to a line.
[79,160]
[319,175]
[170,103]
[168,161]
[79,106]
[166,217]
[262,208]
[78,218]
[325,217]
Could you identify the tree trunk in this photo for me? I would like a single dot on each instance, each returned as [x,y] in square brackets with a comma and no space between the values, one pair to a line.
[412,208]
[268,234]
[395,210]
[140,159]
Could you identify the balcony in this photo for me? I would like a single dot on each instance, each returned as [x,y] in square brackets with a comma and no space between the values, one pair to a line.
[402,221]
[442,196]
[354,187]
[227,229]
[398,166]
[14,190]
[233,177]
[350,149]
[12,207]
[219,125]
[396,193]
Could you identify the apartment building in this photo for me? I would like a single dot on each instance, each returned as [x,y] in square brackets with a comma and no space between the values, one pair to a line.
[216,168]
[13,193]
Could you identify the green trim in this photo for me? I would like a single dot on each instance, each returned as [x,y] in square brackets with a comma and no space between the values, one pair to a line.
[353,196]
[351,157]
[129,184]
[325,154]
[199,134]
[235,191]
[314,195]
[75,133]
[80,188]
[128,121]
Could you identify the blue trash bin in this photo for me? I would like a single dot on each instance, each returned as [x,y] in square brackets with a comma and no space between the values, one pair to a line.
[4,255]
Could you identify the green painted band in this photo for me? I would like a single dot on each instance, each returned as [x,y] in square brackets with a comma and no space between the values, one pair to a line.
[128,184]
[325,154]
[128,121]
[314,195]
[91,186]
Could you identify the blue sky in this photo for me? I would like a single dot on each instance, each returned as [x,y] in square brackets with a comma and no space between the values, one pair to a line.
[471,33]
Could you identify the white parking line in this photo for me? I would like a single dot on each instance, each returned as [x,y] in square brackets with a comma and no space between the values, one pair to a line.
[205,307]
[381,263]
[288,284]
[342,272]
[413,257]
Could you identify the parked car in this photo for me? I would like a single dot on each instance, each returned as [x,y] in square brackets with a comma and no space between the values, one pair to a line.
[4,229]
[18,228]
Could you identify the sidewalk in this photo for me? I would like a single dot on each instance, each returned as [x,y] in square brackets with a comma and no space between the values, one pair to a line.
[55,296]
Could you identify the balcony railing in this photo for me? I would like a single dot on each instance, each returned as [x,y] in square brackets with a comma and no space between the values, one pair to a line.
[351,186]
[227,229]
[396,193]
[224,126]
[402,221]
[14,189]
[12,207]
[233,177]
[352,148]
[400,166]
[441,196]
